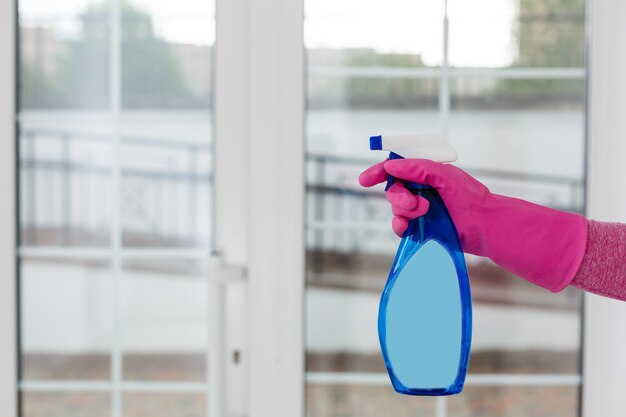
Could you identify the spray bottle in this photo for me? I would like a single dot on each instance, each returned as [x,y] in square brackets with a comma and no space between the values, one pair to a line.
[425,313]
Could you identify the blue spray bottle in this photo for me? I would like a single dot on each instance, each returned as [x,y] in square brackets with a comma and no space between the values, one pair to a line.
[425,313]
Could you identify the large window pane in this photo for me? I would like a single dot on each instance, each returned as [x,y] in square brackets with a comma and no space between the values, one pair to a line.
[115,205]
[510,117]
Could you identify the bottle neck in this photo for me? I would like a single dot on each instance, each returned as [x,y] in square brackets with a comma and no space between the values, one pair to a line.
[411,186]
[416,186]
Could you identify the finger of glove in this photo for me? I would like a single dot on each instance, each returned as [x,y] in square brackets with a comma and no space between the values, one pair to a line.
[400,197]
[423,171]
[373,175]
[421,209]
[399,225]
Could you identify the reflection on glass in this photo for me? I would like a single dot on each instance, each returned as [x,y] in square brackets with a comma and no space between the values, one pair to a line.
[66,319]
[323,400]
[166,55]
[511,134]
[52,404]
[164,327]
[326,92]
[395,26]
[512,33]
[520,328]
[166,189]
[77,134]
[65,56]
[473,94]
[65,186]
[515,401]
[164,405]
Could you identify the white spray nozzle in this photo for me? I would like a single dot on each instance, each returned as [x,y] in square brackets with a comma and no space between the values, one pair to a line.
[422,145]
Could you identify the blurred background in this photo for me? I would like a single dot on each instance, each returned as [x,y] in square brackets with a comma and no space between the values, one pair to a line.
[116,197]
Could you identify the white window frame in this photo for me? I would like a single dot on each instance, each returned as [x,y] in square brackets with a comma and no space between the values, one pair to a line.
[604,362]
[259,121]
[8,224]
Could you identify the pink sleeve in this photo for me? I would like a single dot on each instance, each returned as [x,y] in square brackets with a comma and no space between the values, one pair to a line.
[603,268]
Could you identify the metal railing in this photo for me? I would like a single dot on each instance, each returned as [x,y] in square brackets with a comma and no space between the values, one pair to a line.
[64,197]
[74,192]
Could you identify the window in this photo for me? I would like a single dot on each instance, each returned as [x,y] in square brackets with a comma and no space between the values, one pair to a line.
[117,197]
[503,81]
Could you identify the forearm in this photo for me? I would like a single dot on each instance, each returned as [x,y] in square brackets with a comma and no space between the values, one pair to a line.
[603,268]
[542,245]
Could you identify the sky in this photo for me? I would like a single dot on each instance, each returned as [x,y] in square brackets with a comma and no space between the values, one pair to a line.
[480,31]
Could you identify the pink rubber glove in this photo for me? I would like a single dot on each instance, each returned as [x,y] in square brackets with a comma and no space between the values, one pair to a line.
[540,244]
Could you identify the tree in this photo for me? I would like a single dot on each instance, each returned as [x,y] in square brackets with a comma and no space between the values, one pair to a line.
[550,33]
[150,75]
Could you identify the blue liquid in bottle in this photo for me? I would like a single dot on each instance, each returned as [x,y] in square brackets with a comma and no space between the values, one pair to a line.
[425,314]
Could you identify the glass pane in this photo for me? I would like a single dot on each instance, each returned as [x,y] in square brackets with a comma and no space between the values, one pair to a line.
[85,117]
[486,93]
[514,33]
[363,93]
[341,326]
[164,323]
[66,319]
[515,401]
[519,328]
[60,404]
[166,184]
[324,400]
[166,54]
[509,129]
[361,29]
[336,128]
[164,405]
[64,55]
[65,184]
[167,130]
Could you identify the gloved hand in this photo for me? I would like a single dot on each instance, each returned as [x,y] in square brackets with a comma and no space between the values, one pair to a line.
[540,244]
